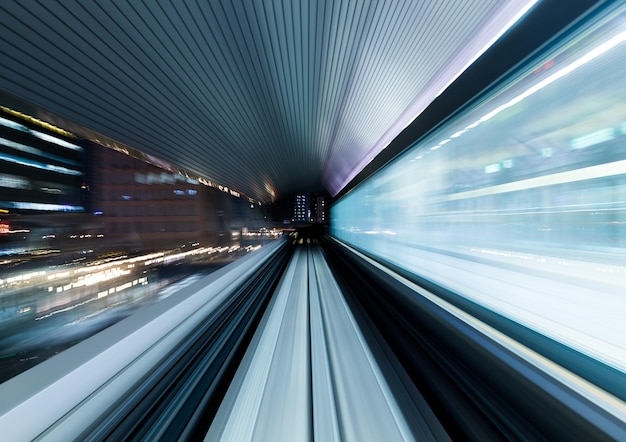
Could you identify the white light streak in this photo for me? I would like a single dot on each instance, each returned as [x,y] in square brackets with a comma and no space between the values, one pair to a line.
[589,56]
[55,140]
[571,176]
[521,13]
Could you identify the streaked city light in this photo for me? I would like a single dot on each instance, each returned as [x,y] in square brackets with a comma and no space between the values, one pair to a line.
[519,203]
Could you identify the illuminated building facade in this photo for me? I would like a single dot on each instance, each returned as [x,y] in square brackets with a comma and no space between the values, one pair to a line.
[145,207]
[301,209]
[41,167]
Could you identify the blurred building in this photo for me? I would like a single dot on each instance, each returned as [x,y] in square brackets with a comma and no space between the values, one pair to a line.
[43,191]
[142,206]
[41,166]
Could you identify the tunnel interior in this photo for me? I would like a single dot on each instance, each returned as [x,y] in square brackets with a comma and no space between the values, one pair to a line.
[313,220]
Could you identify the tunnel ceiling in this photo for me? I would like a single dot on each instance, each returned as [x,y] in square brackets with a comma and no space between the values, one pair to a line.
[265,97]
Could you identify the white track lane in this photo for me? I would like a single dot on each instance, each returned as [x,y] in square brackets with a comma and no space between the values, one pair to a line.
[269,398]
[309,373]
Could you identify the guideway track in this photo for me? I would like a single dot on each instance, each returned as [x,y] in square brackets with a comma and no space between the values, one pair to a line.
[311,375]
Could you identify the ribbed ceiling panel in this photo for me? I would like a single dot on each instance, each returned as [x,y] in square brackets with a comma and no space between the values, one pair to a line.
[260,96]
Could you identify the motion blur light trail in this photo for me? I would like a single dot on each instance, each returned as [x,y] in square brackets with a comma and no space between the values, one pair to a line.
[518,203]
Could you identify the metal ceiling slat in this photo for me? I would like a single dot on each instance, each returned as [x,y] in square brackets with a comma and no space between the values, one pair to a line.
[299,29]
[378,69]
[289,63]
[432,12]
[276,51]
[258,77]
[269,100]
[397,20]
[309,44]
[221,109]
[268,32]
[350,93]
[236,136]
[303,30]
[282,48]
[270,106]
[45,58]
[291,32]
[270,130]
[328,80]
[270,75]
[256,126]
[264,87]
[136,61]
[336,74]
[341,144]
[172,116]
[388,52]
[60,82]
[320,44]
[190,114]
[177,58]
